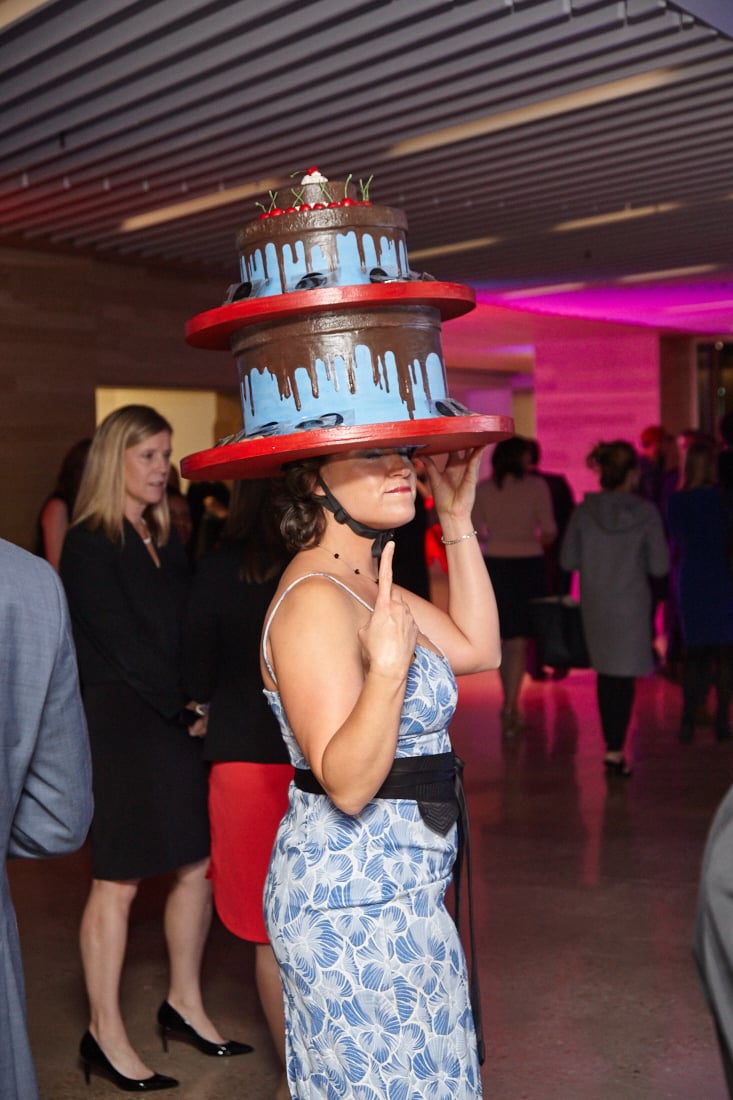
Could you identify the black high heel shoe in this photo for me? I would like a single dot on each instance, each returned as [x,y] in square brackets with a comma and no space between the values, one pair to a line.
[172,1023]
[92,1055]
[617,767]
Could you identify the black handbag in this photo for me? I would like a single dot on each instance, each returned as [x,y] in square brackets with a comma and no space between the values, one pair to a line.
[558,630]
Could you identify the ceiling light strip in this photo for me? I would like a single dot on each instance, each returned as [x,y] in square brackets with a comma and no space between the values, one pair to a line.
[458,246]
[196,206]
[668,273]
[534,112]
[630,214]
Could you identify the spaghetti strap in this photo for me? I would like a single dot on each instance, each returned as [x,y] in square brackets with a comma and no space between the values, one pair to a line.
[271,616]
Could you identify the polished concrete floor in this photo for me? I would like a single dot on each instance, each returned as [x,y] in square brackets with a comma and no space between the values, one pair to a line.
[585,892]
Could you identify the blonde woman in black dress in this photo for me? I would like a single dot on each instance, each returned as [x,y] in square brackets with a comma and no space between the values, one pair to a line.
[126,579]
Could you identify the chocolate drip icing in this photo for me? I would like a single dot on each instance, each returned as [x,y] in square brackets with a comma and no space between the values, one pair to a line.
[315,238]
[396,341]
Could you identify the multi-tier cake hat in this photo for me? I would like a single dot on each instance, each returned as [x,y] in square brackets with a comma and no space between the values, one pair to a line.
[337,341]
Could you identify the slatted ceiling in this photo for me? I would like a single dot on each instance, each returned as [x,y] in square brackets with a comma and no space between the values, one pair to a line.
[201,58]
[111,110]
[185,62]
[86,206]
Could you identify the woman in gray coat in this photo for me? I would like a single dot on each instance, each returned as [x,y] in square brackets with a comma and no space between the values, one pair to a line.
[616,542]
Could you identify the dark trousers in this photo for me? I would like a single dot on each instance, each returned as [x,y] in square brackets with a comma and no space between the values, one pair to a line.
[703,665]
[615,700]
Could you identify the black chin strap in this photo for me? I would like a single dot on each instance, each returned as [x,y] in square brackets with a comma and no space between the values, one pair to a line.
[381,538]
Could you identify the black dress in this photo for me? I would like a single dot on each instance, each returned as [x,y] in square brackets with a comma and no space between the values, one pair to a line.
[221,660]
[150,782]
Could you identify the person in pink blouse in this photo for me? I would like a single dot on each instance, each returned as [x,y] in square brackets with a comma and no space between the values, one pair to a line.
[514,517]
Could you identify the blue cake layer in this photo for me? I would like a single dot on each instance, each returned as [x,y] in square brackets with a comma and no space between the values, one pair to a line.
[346,258]
[330,239]
[346,367]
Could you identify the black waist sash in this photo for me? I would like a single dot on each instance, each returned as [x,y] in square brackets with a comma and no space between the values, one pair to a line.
[436,784]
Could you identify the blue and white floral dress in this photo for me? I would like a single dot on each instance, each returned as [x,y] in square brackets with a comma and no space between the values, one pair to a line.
[374,977]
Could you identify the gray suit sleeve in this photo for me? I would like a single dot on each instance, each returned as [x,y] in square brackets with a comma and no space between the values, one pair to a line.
[54,810]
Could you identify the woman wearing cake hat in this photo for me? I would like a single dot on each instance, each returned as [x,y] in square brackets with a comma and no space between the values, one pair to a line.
[360,674]
[342,380]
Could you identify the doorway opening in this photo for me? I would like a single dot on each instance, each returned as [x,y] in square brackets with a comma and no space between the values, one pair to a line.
[714,384]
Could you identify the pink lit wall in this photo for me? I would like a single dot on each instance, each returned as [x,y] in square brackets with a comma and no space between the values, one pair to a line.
[492,401]
[602,383]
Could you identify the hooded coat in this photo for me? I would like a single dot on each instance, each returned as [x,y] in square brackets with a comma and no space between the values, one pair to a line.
[616,542]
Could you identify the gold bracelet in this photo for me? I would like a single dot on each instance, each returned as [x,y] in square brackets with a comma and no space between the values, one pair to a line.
[461,538]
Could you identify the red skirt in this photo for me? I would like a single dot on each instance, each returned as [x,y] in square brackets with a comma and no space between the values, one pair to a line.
[246,804]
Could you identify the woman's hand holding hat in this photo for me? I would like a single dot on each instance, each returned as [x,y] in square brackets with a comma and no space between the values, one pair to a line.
[454,491]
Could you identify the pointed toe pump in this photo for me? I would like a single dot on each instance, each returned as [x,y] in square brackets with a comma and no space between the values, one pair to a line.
[172,1023]
[94,1058]
[617,767]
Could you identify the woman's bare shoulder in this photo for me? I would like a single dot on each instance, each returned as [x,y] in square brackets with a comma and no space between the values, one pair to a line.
[313,627]
[303,591]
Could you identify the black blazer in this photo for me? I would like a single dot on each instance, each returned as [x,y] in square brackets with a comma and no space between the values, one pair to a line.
[126,613]
[222,661]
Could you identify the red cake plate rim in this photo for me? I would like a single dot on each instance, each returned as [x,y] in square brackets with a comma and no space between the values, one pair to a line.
[266,455]
[214,328]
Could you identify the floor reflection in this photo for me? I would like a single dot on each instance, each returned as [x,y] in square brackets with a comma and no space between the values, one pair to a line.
[584,889]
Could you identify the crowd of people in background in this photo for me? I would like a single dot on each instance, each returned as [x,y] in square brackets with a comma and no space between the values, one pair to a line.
[653,553]
[652,550]
[522,515]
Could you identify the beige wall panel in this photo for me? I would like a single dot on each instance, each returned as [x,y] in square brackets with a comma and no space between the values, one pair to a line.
[677,382]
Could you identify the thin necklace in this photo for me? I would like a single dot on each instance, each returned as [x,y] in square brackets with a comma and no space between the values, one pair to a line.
[339,558]
[147,538]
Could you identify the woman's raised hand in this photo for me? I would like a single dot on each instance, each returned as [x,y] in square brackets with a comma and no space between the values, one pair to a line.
[388,640]
[454,486]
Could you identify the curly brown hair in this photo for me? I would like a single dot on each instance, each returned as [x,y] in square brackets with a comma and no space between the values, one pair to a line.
[300,514]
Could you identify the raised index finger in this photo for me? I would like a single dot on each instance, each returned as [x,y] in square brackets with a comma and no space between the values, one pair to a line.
[384,592]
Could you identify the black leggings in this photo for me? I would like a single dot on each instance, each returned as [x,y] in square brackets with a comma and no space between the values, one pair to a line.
[615,700]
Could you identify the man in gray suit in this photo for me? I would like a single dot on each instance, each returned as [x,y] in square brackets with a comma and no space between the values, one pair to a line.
[45,771]
[713,939]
